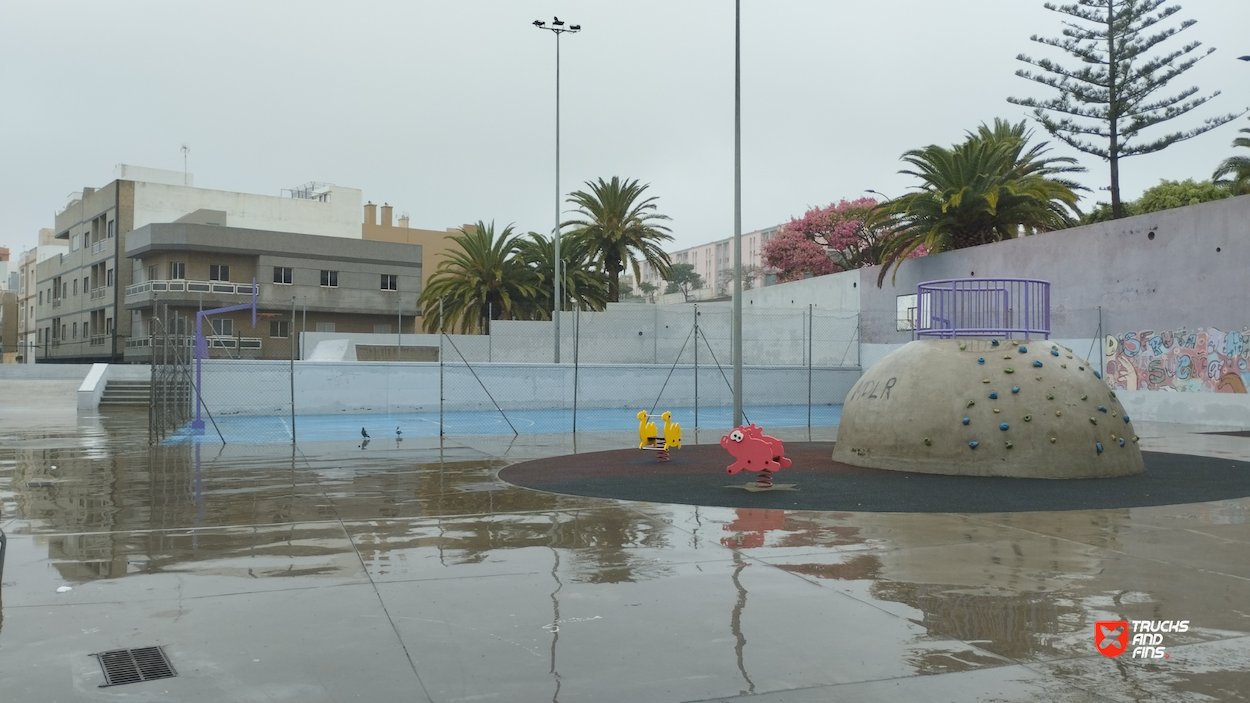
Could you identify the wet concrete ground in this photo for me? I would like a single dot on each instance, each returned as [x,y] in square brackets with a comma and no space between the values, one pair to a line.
[407,571]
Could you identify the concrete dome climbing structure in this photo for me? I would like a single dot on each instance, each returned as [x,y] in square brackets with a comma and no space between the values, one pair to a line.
[987,407]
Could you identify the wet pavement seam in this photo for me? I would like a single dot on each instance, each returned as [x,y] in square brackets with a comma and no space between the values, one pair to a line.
[377,594]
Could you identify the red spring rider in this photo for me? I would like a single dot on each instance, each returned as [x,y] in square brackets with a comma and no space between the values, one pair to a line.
[755,451]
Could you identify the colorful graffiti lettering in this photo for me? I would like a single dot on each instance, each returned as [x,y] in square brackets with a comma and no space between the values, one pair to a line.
[1197,361]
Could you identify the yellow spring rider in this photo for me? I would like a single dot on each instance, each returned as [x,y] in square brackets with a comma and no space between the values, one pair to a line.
[649,438]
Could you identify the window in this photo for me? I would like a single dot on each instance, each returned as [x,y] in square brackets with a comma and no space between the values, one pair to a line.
[85,327]
[282,274]
[152,273]
[280,329]
[329,279]
[74,242]
[63,329]
[381,329]
[110,278]
[41,297]
[112,228]
[325,326]
[177,270]
[75,328]
[390,281]
[223,328]
[76,286]
[86,283]
[108,325]
[218,272]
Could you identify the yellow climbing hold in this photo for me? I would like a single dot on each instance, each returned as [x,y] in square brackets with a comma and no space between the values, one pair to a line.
[1058,413]
[1052,440]
[996,410]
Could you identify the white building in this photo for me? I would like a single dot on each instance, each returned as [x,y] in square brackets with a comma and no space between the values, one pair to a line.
[714,263]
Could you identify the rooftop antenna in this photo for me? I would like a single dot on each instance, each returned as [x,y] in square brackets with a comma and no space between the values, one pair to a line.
[185,150]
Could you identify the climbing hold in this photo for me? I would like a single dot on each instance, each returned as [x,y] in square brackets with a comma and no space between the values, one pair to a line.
[1084,397]
[1135,438]
[1015,389]
[1068,348]
[962,346]
[993,396]
[1058,413]
[1009,445]
[1004,427]
[1063,366]
[1112,394]
[1037,364]
[1121,441]
[1093,421]
[1112,438]
[973,445]
[985,380]
[1050,396]
[981,360]
[1097,375]
[966,420]
[1038,377]
[997,410]
[1006,356]
[993,342]
[1098,445]
[1052,440]
[1009,370]
[1028,418]
[1024,350]
[1101,409]
[1080,368]
[1054,352]
[928,442]
[1015,343]
[970,403]
[1126,419]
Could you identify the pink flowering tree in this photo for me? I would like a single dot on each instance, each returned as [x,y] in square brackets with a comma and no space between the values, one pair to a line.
[793,256]
[841,229]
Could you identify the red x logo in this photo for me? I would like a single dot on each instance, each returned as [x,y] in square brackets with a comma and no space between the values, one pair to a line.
[1111,636]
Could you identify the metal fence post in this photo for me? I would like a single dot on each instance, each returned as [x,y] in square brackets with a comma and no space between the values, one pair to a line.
[577,343]
[292,375]
[696,368]
[440,368]
[809,368]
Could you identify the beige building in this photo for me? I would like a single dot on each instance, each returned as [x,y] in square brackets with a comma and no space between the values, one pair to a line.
[79,306]
[434,244]
[27,291]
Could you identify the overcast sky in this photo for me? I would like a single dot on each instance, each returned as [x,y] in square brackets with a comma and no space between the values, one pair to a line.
[446,109]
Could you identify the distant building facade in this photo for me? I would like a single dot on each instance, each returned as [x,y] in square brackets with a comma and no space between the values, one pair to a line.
[714,263]
[434,243]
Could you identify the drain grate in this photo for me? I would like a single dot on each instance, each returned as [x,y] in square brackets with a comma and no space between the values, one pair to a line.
[123,666]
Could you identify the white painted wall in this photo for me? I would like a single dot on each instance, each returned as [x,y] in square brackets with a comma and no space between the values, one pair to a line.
[837,291]
[339,217]
[248,387]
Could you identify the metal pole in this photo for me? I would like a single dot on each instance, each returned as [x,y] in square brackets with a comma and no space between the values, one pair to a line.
[303,329]
[737,309]
[809,367]
[440,367]
[557,301]
[577,343]
[399,323]
[292,374]
[490,339]
[696,368]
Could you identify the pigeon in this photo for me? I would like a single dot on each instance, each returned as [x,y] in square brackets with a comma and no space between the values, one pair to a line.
[575,27]
[556,21]
[363,433]
[398,431]
[539,23]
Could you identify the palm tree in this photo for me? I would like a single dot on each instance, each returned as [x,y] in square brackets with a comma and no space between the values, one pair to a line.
[1238,167]
[987,189]
[617,226]
[482,280]
[582,285]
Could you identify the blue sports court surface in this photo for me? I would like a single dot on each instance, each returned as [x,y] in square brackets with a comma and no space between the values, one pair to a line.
[266,429]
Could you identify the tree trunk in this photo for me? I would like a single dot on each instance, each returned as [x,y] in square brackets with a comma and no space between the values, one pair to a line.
[1113,116]
[614,277]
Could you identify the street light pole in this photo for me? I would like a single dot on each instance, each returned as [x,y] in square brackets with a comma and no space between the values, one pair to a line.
[557,27]
[737,308]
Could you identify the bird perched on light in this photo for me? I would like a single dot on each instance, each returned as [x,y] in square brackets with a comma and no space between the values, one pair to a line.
[398,431]
[363,433]
[575,27]
[539,23]
[556,21]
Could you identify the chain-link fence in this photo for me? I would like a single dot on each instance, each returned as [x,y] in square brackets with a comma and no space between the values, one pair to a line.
[605,368]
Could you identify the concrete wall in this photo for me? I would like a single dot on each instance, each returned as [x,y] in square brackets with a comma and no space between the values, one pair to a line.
[262,387]
[338,217]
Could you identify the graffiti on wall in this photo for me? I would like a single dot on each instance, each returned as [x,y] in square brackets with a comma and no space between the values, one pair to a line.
[1203,360]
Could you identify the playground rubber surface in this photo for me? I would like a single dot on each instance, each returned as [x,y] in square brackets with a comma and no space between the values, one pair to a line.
[696,476]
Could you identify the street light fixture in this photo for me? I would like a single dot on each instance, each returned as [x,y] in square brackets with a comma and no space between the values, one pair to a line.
[557,27]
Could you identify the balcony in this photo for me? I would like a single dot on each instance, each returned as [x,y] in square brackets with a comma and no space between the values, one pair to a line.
[100,246]
[185,286]
[56,302]
[97,293]
[99,340]
[236,347]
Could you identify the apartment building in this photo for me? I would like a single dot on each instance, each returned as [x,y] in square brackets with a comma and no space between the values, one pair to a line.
[714,261]
[79,303]
[303,282]
[434,243]
[27,291]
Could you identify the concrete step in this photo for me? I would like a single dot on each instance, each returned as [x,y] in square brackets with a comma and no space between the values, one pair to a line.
[127,393]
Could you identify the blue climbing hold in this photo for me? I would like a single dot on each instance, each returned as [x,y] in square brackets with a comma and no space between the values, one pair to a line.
[1097,375]
[1101,409]
[1126,419]
[981,360]
[1015,389]
[1054,352]
[993,342]
[993,396]
[966,420]
[1024,350]
[1004,427]
[1121,441]
[1098,446]
[973,445]
[1037,364]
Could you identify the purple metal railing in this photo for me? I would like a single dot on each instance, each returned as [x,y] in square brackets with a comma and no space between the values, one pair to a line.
[983,307]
